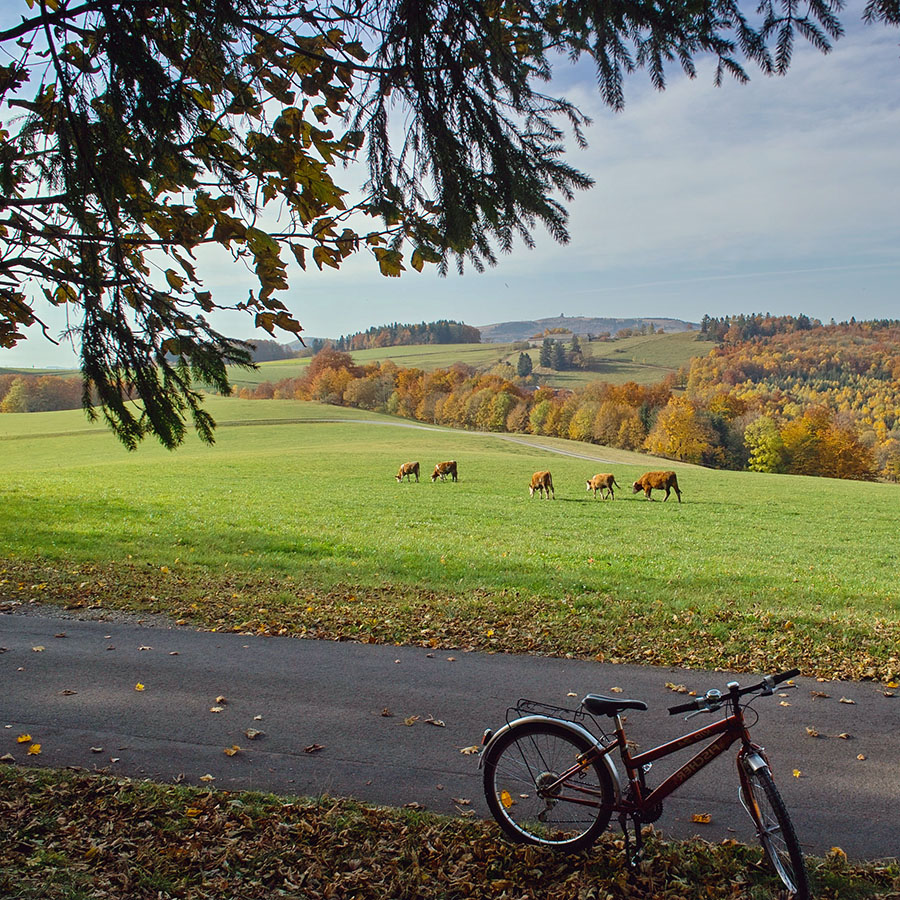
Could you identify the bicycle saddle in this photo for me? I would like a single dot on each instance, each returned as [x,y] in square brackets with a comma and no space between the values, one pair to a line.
[599,705]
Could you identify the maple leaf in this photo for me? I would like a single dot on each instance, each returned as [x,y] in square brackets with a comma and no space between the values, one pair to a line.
[34,750]
[139,687]
[23,739]
[701,818]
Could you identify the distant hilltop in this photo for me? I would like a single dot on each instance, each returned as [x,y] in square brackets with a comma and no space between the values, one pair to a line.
[506,332]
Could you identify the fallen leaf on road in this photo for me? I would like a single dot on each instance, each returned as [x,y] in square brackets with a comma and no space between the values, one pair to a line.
[844,736]
[34,750]
[114,759]
[139,687]
[820,694]
[678,688]
[847,700]
[701,818]
[38,649]
[96,749]
[616,690]
[68,693]
[254,733]
[7,757]
[892,684]
[888,693]
[207,777]
[462,801]
[23,739]
[386,713]
[410,720]
[230,751]
[784,703]
[812,732]
[413,805]
[571,694]
[313,748]
[221,700]
[436,722]
[145,648]
[451,659]
[216,709]
[861,756]
[469,751]
[796,773]
[173,653]
[61,634]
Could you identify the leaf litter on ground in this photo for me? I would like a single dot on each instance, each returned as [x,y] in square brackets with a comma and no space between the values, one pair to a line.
[67,834]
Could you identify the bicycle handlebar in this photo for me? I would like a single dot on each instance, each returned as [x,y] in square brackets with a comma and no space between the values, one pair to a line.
[709,703]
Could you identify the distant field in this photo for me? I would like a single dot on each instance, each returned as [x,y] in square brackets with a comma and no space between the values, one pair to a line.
[646,360]
[294,522]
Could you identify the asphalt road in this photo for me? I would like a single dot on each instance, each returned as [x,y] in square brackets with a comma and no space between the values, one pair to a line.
[387,725]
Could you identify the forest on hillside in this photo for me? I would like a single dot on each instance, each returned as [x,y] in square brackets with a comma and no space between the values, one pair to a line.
[810,400]
[444,331]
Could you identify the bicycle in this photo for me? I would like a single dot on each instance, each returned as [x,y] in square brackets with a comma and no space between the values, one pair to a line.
[551,781]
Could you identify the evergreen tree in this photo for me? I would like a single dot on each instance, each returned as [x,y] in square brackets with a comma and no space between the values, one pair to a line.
[524,367]
[546,357]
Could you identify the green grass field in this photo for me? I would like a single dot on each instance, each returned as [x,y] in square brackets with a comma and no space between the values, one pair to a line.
[294,522]
[646,360]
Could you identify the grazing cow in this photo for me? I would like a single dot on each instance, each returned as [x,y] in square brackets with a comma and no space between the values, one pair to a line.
[603,483]
[659,480]
[541,482]
[442,470]
[407,469]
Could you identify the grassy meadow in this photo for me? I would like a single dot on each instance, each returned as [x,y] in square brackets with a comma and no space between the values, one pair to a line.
[293,523]
[644,359]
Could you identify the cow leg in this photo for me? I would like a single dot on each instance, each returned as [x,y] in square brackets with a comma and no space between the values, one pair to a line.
[667,494]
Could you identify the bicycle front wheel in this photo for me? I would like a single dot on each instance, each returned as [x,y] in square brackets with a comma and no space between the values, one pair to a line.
[521,771]
[775,830]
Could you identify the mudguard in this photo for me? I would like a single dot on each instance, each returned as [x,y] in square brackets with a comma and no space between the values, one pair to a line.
[574,727]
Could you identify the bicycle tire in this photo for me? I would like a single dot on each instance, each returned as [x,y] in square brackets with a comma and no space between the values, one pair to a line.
[538,752]
[775,831]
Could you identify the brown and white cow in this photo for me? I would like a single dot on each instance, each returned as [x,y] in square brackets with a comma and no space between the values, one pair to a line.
[603,482]
[407,469]
[660,480]
[542,482]
[442,470]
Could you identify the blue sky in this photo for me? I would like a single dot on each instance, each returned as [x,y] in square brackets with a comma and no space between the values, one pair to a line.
[778,196]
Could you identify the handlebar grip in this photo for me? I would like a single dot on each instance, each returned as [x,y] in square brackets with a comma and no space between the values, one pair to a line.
[683,707]
[785,676]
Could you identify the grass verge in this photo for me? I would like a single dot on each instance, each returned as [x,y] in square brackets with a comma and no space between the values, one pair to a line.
[69,836]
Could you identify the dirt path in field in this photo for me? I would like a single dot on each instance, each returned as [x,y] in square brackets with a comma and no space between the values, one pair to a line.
[395,725]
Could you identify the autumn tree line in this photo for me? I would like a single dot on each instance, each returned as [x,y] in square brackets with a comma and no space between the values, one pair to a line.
[819,401]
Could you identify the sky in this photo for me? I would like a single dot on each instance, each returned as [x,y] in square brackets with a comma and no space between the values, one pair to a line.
[781,196]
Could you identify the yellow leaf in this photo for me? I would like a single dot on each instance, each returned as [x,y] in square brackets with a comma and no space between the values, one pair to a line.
[784,703]
[139,687]
[506,799]
[192,811]
[861,756]
[230,751]
[836,853]
[892,684]
[23,739]
[796,773]
[847,700]
[701,818]
[844,736]
[469,751]
[38,649]
[812,732]
[34,749]
[207,777]
[616,690]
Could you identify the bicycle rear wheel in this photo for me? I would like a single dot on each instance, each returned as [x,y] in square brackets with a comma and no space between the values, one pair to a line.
[775,830]
[519,771]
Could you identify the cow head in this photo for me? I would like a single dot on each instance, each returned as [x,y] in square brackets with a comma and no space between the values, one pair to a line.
[636,487]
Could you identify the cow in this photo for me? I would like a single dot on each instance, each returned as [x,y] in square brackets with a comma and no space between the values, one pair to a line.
[541,482]
[603,483]
[407,469]
[442,470]
[659,480]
